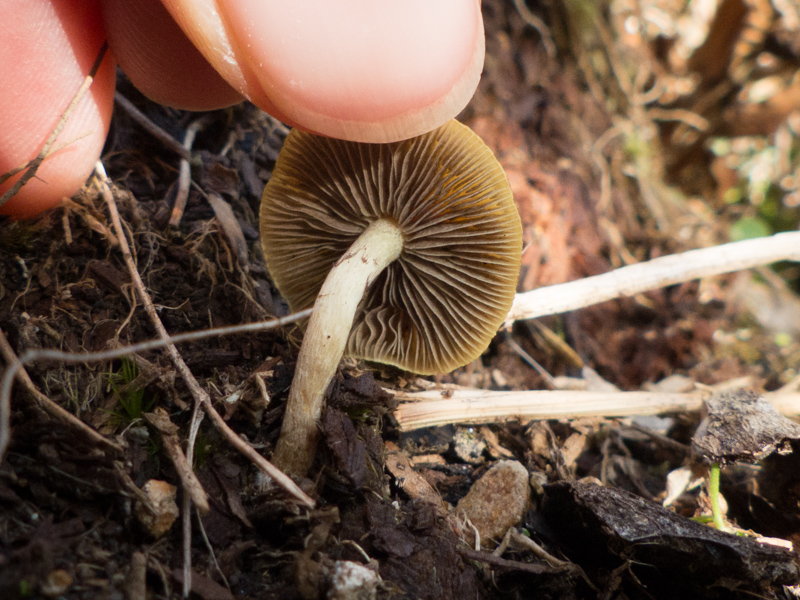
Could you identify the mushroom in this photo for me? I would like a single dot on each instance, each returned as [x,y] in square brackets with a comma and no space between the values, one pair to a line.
[409,253]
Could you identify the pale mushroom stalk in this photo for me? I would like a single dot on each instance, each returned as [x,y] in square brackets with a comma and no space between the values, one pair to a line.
[326,337]
[426,242]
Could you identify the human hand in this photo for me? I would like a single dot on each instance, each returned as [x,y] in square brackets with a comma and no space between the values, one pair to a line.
[356,69]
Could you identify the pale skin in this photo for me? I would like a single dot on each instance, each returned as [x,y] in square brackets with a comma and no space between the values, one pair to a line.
[355,69]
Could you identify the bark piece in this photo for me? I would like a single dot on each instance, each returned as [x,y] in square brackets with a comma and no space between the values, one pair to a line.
[603,528]
[742,426]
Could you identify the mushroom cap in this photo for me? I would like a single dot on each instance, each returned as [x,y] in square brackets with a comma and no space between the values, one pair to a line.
[440,303]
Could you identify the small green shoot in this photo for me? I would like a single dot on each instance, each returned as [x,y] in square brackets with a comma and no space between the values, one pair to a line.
[713,494]
[133,402]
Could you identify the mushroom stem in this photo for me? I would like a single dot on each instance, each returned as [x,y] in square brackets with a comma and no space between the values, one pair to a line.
[325,340]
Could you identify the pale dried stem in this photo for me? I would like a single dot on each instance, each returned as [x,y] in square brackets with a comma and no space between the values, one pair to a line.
[654,274]
[32,356]
[539,25]
[197,392]
[431,409]
[193,489]
[192,486]
[185,172]
[153,129]
[51,408]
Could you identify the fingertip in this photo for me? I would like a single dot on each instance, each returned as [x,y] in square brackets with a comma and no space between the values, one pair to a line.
[160,60]
[354,69]
[362,70]
[45,57]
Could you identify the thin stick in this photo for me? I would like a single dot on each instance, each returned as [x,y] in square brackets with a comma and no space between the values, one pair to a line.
[9,174]
[192,488]
[197,392]
[50,407]
[151,128]
[430,409]
[186,504]
[33,356]
[262,463]
[538,551]
[34,165]
[185,173]
[653,274]
[200,396]
[539,25]
[485,557]
[546,377]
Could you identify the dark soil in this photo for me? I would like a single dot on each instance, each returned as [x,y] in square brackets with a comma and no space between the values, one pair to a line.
[604,172]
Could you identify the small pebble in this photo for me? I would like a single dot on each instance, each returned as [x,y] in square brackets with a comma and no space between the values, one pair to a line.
[469,446]
[496,501]
[56,583]
[162,500]
[352,581]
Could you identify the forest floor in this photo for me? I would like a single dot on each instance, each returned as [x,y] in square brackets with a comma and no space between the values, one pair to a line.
[629,130]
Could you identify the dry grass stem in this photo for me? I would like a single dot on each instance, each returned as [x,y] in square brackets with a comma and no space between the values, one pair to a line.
[172,444]
[192,487]
[231,228]
[654,274]
[198,393]
[193,490]
[539,25]
[431,409]
[50,407]
[185,172]
[153,129]
[33,356]
[33,166]
[537,550]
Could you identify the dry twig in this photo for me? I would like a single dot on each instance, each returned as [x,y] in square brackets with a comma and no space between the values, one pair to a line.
[191,382]
[153,129]
[33,356]
[653,274]
[185,173]
[169,435]
[54,410]
[432,409]
[539,25]
[193,490]
[200,396]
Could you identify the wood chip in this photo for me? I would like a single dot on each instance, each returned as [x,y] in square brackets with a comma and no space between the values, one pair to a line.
[411,482]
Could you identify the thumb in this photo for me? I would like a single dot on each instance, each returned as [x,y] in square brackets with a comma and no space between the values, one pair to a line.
[354,69]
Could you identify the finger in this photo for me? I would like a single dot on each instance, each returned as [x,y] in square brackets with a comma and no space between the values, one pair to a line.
[48,48]
[160,60]
[355,69]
